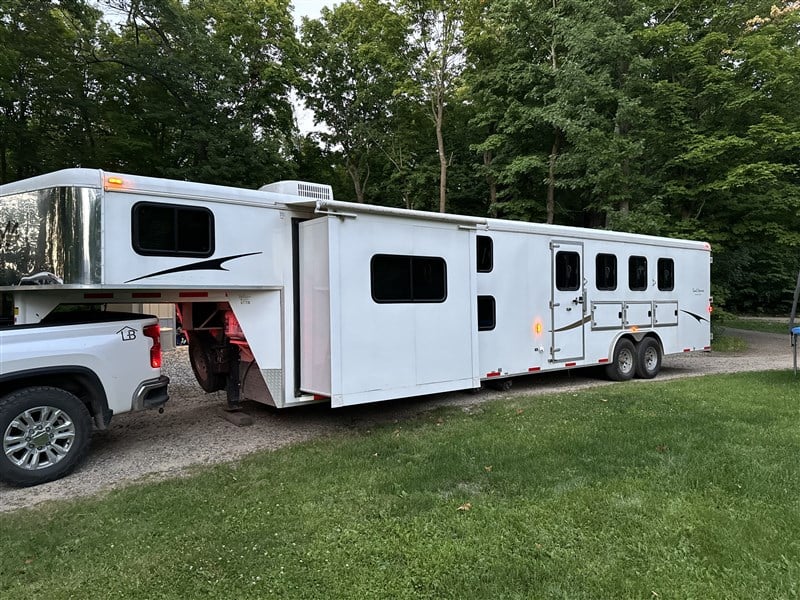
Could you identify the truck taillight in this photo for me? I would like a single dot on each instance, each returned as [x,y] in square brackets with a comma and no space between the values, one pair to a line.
[154,333]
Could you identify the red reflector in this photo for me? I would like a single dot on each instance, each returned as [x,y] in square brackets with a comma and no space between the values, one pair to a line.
[146,295]
[97,295]
[493,374]
[603,360]
[154,333]
[533,369]
[319,397]
[193,295]
[572,364]
[687,349]
[706,347]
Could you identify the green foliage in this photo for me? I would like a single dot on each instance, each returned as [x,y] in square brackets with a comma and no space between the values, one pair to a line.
[661,117]
[678,489]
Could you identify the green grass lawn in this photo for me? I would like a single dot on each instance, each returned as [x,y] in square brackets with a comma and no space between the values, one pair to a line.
[682,489]
[767,325]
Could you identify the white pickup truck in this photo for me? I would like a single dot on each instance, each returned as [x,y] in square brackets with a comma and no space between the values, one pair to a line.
[59,376]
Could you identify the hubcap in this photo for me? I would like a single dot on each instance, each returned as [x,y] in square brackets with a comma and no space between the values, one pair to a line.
[651,358]
[38,438]
[625,361]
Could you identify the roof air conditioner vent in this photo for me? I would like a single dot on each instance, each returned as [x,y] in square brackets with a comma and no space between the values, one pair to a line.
[303,189]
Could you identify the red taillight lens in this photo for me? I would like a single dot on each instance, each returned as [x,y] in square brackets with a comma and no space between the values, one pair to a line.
[154,333]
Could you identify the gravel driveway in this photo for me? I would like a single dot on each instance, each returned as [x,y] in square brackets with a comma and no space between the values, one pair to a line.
[150,446]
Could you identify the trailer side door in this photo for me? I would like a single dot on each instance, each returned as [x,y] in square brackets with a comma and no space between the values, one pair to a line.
[568,301]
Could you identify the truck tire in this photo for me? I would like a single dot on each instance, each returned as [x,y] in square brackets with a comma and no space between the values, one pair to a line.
[648,358]
[201,358]
[623,364]
[45,434]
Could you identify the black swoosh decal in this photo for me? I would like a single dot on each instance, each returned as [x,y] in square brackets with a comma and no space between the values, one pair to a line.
[215,264]
[580,323]
[698,317]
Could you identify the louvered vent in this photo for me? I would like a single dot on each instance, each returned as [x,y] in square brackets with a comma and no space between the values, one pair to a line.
[303,189]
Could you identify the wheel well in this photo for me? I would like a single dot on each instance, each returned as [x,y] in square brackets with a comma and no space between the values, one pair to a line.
[654,336]
[636,338]
[81,382]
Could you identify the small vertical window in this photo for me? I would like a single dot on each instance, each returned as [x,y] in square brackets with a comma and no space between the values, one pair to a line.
[485,254]
[606,272]
[666,274]
[399,278]
[568,271]
[487,312]
[637,273]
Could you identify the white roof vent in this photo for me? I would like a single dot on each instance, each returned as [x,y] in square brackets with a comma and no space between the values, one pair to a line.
[304,189]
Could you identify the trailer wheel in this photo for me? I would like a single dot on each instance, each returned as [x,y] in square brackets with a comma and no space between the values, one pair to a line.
[46,433]
[201,358]
[623,365]
[648,358]
[503,385]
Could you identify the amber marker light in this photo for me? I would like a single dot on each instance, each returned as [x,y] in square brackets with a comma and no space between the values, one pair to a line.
[114,182]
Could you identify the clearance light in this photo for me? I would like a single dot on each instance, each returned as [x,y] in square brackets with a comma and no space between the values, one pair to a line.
[634,329]
[114,181]
[710,309]
[537,327]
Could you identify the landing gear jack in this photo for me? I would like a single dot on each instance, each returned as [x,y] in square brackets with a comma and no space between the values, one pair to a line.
[233,412]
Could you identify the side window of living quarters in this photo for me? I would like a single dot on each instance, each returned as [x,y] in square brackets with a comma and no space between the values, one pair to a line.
[666,274]
[172,230]
[485,253]
[606,272]
[487,313]
[568,271]
[637,273]
[398,278]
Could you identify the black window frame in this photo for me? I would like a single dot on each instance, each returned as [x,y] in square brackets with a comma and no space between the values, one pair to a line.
[414,263]
[568,287]
[662,285]
[486,251]
[136,230]
[632,270]
[605,287]
[493,304]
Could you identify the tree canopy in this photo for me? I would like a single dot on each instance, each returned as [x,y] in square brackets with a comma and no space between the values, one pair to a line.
[673,118]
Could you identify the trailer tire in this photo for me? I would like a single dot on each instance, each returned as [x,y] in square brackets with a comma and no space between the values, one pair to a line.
[201,358]
[648,358]
[503,385]
[45,434]
[623,363]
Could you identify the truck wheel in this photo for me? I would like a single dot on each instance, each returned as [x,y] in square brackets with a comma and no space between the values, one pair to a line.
[201,357]
[623,364]
[46,433]
[648,358]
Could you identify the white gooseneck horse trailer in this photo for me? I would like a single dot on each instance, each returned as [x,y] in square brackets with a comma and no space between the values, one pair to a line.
[290,297]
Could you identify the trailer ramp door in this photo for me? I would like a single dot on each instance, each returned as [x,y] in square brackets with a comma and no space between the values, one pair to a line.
[568,303]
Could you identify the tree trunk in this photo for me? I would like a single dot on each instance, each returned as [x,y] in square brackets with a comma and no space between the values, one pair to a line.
[487,162]
[3,158]
[442,155]
[355,174]
[557,134]
[551,175]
